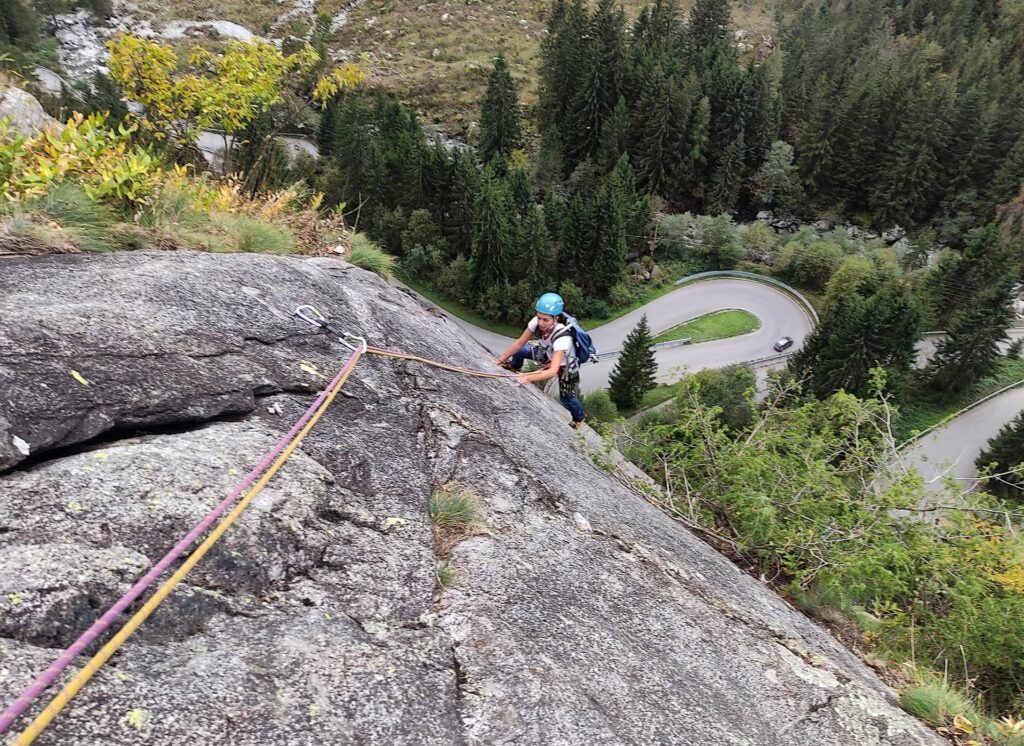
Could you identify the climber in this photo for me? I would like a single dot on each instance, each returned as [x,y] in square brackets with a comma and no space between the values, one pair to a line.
[555,349]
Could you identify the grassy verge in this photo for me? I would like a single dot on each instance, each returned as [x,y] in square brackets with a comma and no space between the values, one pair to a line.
[658,395]
[717,325]
[455,309]
[924,408]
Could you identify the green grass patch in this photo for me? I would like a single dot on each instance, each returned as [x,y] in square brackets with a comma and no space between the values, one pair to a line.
[925,408]
[367,255]
[717,325]
[251,235]
[658,395]
[459,311]
[935,703]
[455,515]
[88,223]
[447,575]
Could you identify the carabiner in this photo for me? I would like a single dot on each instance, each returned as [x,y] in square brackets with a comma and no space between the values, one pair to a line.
[316,319]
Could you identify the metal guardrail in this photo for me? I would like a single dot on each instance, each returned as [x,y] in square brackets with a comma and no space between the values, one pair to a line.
[655,346]
[758,278]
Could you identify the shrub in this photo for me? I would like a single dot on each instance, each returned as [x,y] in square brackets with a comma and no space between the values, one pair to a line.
[677,236]
[573,297]
[420,262]
[809,264]
[600,407]
[103,161]
[598,309]
[621,295]
[719,245]
[760,244]
[454,281]
[366,255]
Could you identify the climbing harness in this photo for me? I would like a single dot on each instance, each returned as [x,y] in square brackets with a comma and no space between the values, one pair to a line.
[250,486]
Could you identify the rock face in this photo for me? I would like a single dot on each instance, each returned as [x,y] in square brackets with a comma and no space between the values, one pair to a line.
[23,113]
[581,615]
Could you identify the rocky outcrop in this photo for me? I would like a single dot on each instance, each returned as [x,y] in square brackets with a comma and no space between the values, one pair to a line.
[143,385]
[23,113]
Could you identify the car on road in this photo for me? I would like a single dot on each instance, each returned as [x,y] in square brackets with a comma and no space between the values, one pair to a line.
[783,344]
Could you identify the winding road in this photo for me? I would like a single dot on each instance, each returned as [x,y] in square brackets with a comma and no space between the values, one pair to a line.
[780,315]
[947,451]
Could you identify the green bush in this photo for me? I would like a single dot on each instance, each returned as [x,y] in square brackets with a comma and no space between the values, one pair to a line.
[600,407]
[760,243]
[573,297]
[809,263]
[366,255]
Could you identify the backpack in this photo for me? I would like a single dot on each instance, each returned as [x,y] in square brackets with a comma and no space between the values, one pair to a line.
[585,347]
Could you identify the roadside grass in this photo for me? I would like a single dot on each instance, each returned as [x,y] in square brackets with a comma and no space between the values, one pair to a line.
[924,408]
[455,309]
[718,325]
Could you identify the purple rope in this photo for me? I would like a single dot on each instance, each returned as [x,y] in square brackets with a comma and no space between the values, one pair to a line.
[50,674]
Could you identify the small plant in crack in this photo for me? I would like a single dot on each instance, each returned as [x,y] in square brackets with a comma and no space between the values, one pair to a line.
[455,515]
[447,576]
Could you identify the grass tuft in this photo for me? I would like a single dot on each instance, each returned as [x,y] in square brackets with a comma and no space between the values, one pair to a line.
[248,234]
[455,515]
[367,255]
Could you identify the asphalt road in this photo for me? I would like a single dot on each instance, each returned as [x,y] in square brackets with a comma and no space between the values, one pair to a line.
[950,450]
[778,313]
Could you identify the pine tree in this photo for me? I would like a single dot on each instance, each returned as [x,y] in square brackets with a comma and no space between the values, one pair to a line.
[493,247]
[914,178]
[870,320]
[328,131]
[600,83]
[776,185]
[1005,452]
[261,156]
[760,117]
[817,138]
[709,23]
[970,350]
[633,375]
[535,251]
[500,132]
[18,23]
[561,63]
[727,180]
[615,200]
[614,137]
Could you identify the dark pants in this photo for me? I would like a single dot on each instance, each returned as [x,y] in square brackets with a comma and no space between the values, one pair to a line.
[568,381]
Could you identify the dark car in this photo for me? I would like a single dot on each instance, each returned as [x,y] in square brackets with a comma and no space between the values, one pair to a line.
[783,344]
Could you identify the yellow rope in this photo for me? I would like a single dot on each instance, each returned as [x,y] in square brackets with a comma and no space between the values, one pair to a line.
[434,363]
[46,716]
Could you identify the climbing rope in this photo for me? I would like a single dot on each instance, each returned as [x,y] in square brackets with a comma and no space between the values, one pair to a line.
[275,458]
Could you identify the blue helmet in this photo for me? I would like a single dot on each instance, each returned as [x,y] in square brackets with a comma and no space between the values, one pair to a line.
[551,304]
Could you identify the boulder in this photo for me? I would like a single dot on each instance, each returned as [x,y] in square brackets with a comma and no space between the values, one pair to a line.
[23,113]
[148,383]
